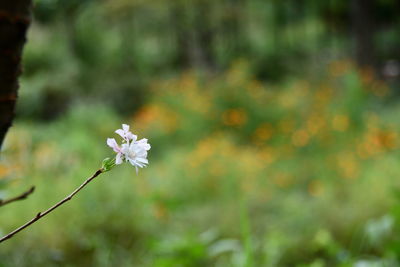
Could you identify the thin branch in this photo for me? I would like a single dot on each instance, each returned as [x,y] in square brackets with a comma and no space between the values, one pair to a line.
[19,197]
[42,214]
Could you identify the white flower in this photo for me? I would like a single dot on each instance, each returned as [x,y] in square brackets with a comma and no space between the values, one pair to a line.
[126,134]
[113,144]
[136,153]
[132,151]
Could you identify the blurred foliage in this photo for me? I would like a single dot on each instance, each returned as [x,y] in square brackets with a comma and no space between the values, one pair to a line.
[83,50]
[270,147]
[241,174]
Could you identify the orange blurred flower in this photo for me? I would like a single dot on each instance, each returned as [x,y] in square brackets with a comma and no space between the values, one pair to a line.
[4,171]
[348,165]
[315,123]
[234,117]
[264,132]
[282,180]
[340,67]
[300,138]
[165,117]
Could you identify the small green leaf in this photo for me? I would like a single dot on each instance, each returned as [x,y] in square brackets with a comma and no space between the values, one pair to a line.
[108,164]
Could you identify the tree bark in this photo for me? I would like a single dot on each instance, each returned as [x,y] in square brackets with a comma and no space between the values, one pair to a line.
[15,18]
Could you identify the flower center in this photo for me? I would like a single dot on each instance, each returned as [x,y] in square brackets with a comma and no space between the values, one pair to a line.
[132,154]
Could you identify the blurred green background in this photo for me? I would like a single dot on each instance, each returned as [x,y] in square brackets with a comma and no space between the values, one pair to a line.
[274,128]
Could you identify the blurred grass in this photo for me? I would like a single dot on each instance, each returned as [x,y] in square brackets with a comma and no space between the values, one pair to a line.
[241,173]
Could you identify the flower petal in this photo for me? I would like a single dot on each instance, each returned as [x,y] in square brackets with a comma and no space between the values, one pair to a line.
[113,144]
[121,133]
[143,143]
[131,161]
[131,136]
[125,127]
[142,160]
[147,146]
[118,159]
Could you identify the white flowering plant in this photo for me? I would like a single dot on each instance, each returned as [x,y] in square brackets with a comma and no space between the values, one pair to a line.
[131,150]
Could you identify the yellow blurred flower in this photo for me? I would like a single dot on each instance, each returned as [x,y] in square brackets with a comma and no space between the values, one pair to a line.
[340,122]
[264,132]
[322,96]
[348,165]
[267,155]
[282,180]
[300,138]
[256,90]
[315,188]
[388,139]
[159,115]
[216,169]
[234,117]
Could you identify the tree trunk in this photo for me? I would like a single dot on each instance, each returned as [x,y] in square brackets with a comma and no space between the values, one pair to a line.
[14,22]
[363,30]
[204,35]
[182,34]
